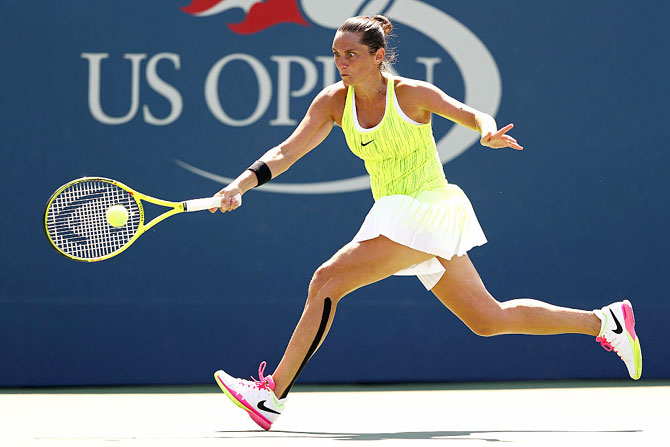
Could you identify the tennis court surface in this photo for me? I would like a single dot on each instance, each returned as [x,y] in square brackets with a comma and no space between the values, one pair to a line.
[529,414]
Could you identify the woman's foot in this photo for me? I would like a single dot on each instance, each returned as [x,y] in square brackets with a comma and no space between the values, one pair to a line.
[256,397]
[617,333]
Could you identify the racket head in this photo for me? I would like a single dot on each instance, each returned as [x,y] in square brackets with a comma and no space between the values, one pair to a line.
[75,219]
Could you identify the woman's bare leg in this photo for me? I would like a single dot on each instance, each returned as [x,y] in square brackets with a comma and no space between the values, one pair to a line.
[355,265]
[462,291]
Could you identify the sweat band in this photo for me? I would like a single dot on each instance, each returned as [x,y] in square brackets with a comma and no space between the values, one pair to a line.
[263,174]
[315,344]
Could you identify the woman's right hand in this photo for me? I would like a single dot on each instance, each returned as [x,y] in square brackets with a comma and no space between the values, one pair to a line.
[231,198]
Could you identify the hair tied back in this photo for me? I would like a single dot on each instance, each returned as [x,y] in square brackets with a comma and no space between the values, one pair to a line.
[385,23]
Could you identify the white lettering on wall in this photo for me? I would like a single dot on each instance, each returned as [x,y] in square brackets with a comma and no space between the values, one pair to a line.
[262,79]
[154,81]
[429,63]
[329,69]
[284,91]
[264,85]
[163,88]
[94,63]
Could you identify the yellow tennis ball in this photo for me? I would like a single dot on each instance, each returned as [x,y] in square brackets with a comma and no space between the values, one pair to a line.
[117,215]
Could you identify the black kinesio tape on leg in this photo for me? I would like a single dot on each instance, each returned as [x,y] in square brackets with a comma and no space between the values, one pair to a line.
[327,304]
[263,173]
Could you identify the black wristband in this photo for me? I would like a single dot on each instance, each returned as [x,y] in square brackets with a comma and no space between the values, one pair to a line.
[263,174]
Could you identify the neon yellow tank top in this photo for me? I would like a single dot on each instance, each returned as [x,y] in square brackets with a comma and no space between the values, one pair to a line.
[399,154]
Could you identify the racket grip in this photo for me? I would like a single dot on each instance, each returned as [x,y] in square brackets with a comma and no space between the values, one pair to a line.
[202,204]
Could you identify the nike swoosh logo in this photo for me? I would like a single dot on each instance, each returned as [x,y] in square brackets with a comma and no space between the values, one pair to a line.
[365,144]
[261,406]
[618,328]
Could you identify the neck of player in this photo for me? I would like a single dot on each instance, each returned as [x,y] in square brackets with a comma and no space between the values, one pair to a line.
[372,89]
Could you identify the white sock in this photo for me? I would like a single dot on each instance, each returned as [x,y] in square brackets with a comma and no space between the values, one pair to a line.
[603,320]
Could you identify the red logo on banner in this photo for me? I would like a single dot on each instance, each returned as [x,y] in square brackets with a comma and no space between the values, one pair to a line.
[260,14]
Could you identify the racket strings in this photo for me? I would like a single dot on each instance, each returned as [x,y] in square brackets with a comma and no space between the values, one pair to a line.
[77,219]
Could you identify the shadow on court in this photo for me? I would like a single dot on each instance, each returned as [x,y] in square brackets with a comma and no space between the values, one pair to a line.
[159,418]
[419,435]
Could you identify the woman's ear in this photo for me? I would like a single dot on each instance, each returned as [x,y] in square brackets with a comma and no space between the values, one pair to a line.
[380,54]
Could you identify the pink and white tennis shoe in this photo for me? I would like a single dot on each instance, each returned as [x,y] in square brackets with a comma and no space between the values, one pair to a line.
[256,397]
[617,332]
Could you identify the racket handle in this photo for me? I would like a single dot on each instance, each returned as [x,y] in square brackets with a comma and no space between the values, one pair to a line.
[202,204]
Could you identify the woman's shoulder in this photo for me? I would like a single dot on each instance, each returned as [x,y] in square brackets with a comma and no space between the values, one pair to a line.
[333,91]
[405,85]
[418,95]
[333,95]
[331,100]
[414,97]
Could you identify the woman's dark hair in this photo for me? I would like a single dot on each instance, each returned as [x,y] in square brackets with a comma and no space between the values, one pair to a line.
[373,31]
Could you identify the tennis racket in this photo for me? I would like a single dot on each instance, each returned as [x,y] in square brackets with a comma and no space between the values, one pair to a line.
[79,226]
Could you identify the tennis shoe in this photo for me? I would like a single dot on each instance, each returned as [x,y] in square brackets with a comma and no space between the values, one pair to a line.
[617,333]
[256,397]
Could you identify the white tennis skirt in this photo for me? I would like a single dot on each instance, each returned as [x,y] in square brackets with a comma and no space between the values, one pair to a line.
[441,223]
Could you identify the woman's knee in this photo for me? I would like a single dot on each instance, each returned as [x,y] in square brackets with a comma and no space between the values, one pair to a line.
[324,284]
[320,278]
[483,328]
[487,322]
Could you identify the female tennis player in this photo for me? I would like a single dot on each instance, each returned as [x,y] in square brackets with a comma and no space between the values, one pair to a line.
[419,224]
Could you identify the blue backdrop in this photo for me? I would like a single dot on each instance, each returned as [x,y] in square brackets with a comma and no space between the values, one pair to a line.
[145,92]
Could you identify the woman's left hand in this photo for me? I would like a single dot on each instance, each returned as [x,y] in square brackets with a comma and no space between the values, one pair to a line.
[500,139]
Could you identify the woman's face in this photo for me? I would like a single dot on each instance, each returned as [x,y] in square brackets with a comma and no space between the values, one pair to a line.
[353,59]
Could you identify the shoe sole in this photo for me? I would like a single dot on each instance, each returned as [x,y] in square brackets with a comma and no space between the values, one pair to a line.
[629,322]
[257,418]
